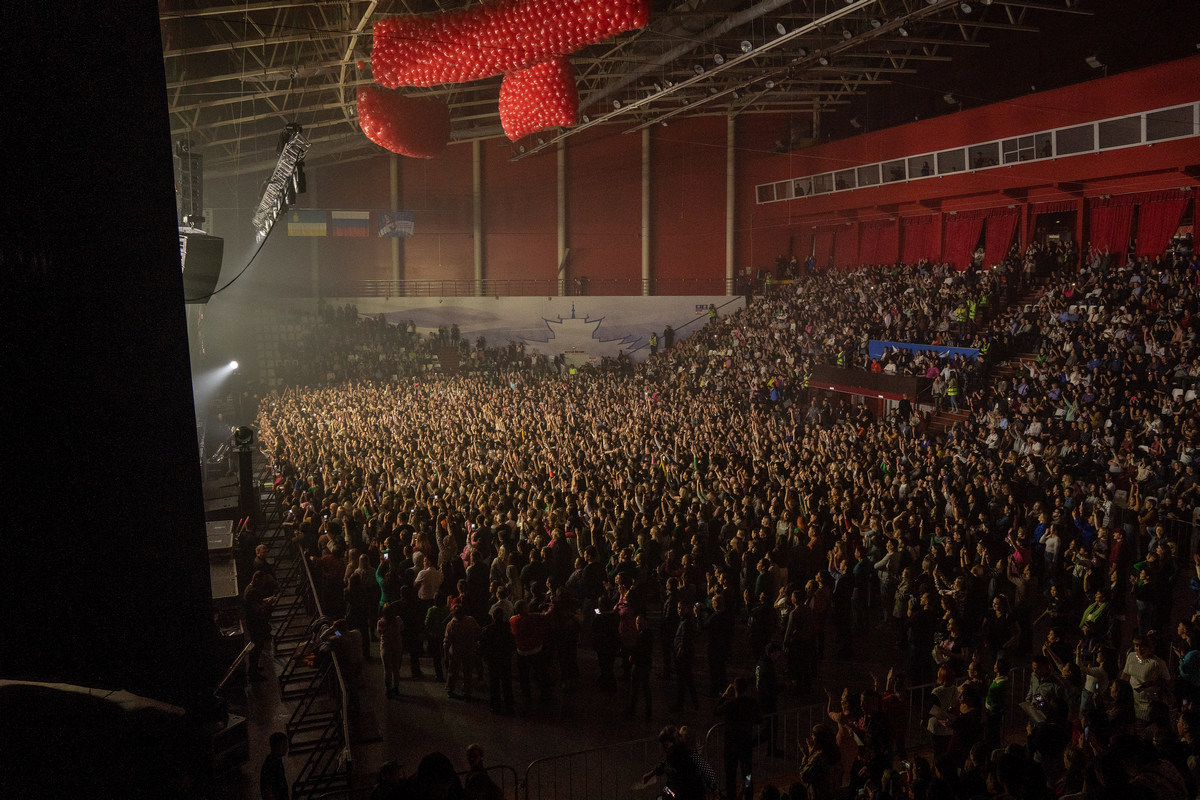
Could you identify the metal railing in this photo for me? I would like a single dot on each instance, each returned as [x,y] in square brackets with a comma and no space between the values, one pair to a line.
[699,320]
[612,772]
[782,732]
[502,775]
[533,287]
[322,717]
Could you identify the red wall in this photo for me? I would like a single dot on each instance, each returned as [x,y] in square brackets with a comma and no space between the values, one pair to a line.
[438,192]
[357,185]
[687,201]
[763,228]
[520,216]
[604,201]
[688,191]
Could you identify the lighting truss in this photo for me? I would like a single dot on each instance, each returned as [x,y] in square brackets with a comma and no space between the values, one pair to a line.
[275,196]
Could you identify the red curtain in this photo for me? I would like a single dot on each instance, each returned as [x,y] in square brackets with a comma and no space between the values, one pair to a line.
[879,243]
[1157,223]
[960,238]
[1109,224]
[919,239]
[868,242]
[1001,225]
[845,249]
[1053,207]
[823,237]
[888,246]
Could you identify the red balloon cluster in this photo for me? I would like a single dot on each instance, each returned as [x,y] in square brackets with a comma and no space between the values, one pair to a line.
[543,96]
[494,38]
[418,127]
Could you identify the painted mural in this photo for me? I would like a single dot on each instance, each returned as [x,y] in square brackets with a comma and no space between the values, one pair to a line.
[582,328]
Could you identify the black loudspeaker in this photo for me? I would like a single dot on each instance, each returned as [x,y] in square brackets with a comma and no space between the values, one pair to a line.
[201,256]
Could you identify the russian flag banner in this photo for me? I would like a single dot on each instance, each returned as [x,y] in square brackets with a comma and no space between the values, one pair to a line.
[352,223]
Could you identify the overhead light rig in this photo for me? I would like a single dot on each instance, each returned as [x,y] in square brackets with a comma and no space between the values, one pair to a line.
[286,181]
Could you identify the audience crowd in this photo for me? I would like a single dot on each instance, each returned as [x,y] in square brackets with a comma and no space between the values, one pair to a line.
[706,509]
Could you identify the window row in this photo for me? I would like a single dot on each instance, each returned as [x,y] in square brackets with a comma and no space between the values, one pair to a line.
[1143,128]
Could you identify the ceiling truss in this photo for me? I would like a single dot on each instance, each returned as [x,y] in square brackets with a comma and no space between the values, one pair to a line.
[237,73]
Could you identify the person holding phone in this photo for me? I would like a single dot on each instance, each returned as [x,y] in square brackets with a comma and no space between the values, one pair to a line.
[684,781]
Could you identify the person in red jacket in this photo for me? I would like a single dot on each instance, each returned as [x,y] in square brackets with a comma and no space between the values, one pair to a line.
[531,631]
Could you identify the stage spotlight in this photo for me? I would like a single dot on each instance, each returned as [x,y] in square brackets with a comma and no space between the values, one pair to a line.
[233,365]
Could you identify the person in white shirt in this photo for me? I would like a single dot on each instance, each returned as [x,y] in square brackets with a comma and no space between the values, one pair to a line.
[429,579]
[1147,675]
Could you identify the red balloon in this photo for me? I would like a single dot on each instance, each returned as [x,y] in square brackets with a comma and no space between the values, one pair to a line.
[477,42]
[418,127]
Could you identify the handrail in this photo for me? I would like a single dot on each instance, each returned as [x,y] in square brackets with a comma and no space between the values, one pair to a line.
[345,756]
[532,287]
[504,769]
[616,767]
[694,320]
[783,730]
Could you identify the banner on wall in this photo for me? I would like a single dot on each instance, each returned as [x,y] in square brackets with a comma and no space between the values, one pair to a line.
[306,223]
[395,224]
[580,328]
[351,223]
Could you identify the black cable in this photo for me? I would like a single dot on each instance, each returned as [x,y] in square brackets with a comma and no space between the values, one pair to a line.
[215,292]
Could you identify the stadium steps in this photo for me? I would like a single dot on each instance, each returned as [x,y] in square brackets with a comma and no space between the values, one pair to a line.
[279,331]
[942,421]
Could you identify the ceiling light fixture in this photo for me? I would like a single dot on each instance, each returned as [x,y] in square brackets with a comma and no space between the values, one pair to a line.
[617,104]
[950,98]
[1093,62]
[718,59]
[903,32]
[800,51]
[770,84]
[846,34]
[875,23]
[780,29]
[823,61]
[746,46]
[698,69]
[966,7]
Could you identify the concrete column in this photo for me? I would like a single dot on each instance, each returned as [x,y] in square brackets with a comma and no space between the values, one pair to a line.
[730,205]
[394,198]
[562,216]
[646,211]
[477,213]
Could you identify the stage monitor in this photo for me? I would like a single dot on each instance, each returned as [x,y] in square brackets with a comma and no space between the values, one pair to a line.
[200,255]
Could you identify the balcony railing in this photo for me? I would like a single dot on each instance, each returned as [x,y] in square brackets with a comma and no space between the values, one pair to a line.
[535,287]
